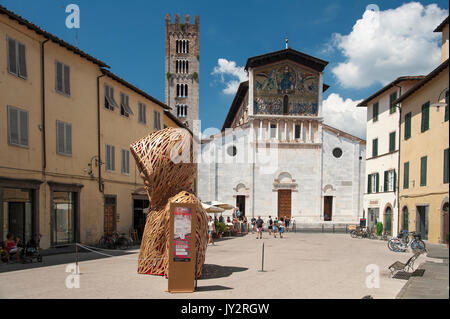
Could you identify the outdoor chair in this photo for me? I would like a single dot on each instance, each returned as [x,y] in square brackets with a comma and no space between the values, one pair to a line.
[408,266]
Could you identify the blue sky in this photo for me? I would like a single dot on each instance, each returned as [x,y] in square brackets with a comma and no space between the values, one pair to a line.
[129,36]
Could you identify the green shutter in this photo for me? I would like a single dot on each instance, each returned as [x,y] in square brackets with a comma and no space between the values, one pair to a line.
[446,165]
[425,117]
[375,147]
[369,184]
[406,175]
[395,180]
[386,180]
[375,112]
[407,125]
[377,180]
[392,142]
[423,171]
[392,98]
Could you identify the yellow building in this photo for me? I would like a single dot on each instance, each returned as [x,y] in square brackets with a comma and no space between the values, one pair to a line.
[66,124]
[424,152]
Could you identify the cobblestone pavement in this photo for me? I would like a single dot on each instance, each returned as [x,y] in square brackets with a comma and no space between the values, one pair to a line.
[300,265]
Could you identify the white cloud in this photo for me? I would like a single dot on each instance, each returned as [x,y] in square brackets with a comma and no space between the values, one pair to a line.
[344,115]
[384,45]
[230,74]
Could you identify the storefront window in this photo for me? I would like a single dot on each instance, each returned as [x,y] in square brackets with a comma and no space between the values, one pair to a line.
[63,218]
[17,213]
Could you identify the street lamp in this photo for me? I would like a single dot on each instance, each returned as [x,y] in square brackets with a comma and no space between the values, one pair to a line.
[439,104]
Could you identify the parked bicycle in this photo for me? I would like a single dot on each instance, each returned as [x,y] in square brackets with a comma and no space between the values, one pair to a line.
[402,242]
[362,232]
[114,241]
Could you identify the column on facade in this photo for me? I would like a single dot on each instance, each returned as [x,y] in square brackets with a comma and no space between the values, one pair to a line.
[260,130]
[268,130]
[285,131]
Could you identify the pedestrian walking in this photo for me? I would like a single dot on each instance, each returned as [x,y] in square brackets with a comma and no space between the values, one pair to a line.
[259,227]
[293,223]
[211,230]
[275,227]
[270,222]
[286,223]
[281,226]
[253,221]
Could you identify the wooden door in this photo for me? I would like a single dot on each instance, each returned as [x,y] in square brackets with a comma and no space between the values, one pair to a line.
[284,203]
[328,208]
[240,203]
[109,219]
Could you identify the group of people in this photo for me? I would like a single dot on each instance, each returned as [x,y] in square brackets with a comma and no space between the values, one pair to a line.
[10,248]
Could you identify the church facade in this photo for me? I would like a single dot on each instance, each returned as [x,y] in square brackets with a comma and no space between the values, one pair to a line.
[275,156]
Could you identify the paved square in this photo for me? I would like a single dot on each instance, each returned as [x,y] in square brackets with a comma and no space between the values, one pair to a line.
[301,265]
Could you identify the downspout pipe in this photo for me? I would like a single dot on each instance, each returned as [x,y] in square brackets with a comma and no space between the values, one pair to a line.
[101,187]
[44,146]
[398,163]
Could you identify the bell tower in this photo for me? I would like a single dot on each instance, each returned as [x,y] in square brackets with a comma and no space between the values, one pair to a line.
[182,68]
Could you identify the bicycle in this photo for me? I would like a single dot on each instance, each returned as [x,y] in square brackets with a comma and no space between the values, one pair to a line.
[114,241]
[360,232]
[402,242]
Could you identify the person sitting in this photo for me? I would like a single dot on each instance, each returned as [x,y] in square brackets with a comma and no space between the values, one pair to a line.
[11,247]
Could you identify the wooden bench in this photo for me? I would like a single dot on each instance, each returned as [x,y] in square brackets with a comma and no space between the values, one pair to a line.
[408,266]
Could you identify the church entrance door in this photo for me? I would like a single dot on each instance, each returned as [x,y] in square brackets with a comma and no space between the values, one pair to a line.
[240,203]
[284,203]
[328,208]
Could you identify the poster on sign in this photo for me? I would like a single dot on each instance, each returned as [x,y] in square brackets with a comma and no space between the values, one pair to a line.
[182,228]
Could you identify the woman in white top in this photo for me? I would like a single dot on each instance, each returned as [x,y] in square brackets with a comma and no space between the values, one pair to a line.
[211,230]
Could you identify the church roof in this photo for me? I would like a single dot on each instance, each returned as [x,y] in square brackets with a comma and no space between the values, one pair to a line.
[290,54]
[240,94]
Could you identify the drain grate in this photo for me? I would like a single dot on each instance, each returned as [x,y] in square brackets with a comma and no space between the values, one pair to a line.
[402,275]
[418,273]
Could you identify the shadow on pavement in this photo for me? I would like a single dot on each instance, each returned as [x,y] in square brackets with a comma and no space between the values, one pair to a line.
[66,258]
[212,288]
[216,271]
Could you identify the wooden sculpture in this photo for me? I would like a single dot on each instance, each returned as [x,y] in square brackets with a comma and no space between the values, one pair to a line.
[166,162]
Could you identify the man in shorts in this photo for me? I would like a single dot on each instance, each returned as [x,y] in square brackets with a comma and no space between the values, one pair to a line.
[270,225]
[259,227]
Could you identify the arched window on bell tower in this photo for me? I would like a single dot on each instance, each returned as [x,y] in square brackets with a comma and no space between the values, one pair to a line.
[285,104]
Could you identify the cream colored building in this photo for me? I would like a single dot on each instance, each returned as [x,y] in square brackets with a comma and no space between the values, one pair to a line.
[66,125]
[424,151]
[381,191]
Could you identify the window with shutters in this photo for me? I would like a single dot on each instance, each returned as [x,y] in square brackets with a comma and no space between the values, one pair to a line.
[425,124]
[62,78]
[110,158]
[392,142]
[392,98]
[406,175]
[157,120]
[408,125]
[63,138]
[375,147]
[389,180]
[142,113]
[17,62]
[375,112]
[125,162]
[110,102]
[125,108]
[17,126]
[373,183]
[446,166]
[423,171]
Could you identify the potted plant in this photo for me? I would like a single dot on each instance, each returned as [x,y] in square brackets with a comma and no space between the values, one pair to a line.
[379,229]
[220,228]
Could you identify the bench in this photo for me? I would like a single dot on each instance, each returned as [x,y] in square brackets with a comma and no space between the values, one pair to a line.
[409,265]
